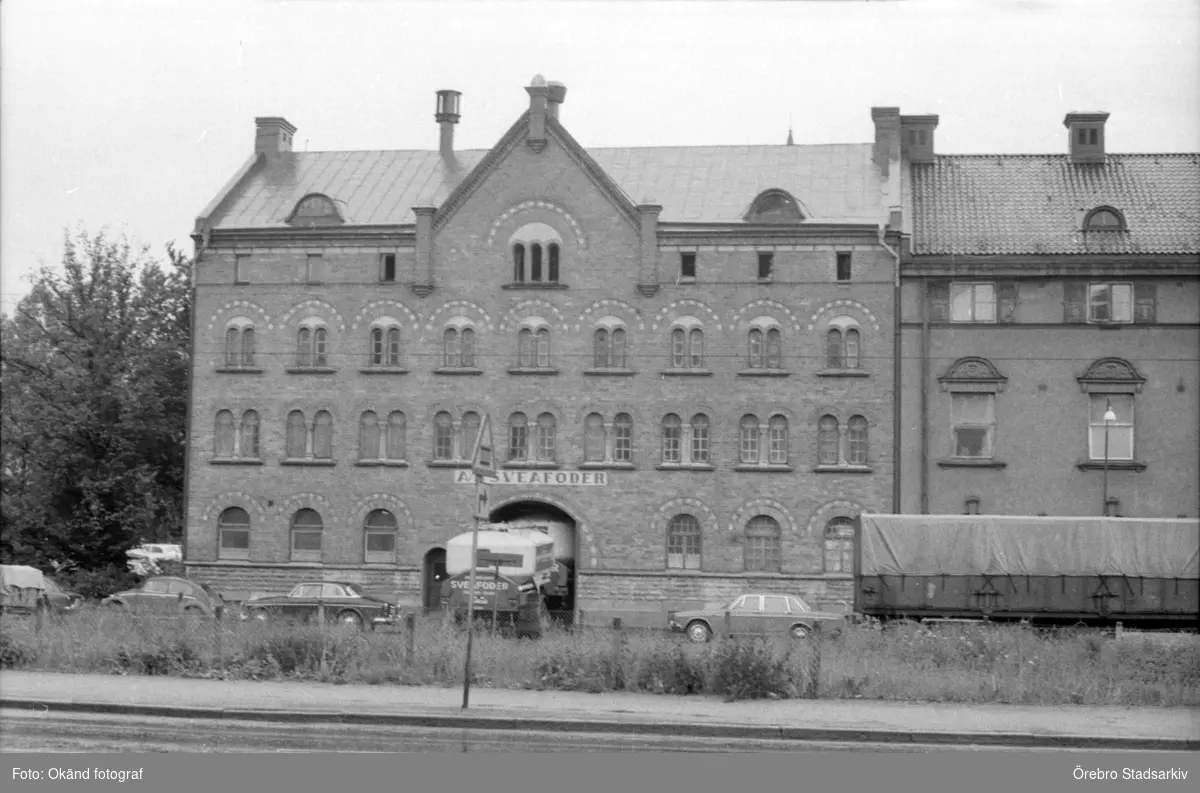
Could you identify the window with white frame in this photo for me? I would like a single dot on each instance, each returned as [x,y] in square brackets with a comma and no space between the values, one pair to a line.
[608,342]
[379,537]
[763,546]
[443,436]
[971,302]
[306,532]
[533,345]
[842,344]
[973,425]
[623,438]
[518,437]
[385,343]
[1110,302]
[458,346]
[672,436]
[700,439]
[683,543]
[777,437]
[1117,429]
[312,344]
[841,445]
[839,545]
[856,438]
[546,429]
[233,526]
[765,345]
[748,444]
[687,345]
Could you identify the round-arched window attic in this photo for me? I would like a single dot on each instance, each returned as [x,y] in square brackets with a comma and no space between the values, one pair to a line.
[535,232]
[1104,219]
[775,206]
[315,209]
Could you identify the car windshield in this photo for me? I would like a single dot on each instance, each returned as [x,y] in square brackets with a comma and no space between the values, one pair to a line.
[798,605]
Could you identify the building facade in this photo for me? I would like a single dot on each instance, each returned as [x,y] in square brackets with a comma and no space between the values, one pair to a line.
[1038,294]
[687,356]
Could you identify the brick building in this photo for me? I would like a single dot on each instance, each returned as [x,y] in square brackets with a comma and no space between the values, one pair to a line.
[687,355]
[1039,292]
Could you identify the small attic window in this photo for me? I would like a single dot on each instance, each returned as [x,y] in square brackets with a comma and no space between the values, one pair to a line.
[1104,219]
[315,209]
[774,206]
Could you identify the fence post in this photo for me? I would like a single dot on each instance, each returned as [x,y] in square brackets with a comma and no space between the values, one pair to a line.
[617,641]
[1120,629]
[218,616]
[814,663]
[410,629]
[728,625]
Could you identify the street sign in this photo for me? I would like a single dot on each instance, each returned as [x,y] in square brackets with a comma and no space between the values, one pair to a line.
[485,558]
[483,457]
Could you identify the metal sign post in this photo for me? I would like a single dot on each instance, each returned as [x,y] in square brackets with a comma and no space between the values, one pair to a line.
[483,464]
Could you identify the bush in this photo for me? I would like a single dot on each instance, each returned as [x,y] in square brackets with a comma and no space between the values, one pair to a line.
[99,583]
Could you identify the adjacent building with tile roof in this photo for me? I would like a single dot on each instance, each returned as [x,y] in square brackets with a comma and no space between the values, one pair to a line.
[1039,293]
[686,355]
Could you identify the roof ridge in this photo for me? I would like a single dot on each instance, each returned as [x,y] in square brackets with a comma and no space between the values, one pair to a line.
[604,148]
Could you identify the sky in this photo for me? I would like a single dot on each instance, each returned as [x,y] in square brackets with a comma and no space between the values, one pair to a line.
[127,116]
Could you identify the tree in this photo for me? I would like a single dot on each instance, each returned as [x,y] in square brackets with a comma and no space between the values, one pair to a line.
[94,375]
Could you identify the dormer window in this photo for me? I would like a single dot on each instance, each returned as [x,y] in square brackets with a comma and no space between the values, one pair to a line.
[536,249]
[774,206]
[315,210]
[1104,219]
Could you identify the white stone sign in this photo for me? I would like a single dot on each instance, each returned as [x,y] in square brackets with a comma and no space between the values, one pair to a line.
[464,476]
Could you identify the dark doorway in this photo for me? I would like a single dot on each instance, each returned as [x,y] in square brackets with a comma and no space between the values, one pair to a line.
[435,574]
[558,597]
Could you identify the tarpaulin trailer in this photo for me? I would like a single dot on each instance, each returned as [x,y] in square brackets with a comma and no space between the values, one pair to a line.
[1050,570]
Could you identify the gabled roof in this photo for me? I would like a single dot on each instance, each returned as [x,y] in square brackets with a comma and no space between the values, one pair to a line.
[1036,204]
[708,184]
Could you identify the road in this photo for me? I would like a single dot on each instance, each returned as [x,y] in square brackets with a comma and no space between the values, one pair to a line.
[24,731]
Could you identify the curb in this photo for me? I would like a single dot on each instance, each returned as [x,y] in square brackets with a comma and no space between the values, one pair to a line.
[611,726]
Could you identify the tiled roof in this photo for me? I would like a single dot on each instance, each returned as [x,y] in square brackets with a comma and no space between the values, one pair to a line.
[1035,204]
[833,183]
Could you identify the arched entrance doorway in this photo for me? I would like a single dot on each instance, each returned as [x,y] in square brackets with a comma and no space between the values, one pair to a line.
[433,576]
[559,595]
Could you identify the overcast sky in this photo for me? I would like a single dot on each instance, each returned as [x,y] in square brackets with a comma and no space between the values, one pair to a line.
[129,116]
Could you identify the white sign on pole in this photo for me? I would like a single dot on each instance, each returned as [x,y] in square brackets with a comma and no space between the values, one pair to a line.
[483,456]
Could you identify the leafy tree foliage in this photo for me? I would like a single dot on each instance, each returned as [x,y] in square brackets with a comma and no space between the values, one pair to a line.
[94,370]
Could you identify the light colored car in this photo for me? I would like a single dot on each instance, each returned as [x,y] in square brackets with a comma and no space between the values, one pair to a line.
[755,613]
[166,595]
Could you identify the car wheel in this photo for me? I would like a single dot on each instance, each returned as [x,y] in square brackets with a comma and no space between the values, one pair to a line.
[799,632]
[699,632]
[350,618]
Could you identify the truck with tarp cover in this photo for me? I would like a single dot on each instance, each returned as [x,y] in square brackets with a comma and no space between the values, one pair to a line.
[511,571]
[1142,572]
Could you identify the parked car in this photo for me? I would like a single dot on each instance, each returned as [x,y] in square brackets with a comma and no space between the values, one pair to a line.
[149,559]
[345,603]
[59,599]
[22,589]
[763,614]
[167,595]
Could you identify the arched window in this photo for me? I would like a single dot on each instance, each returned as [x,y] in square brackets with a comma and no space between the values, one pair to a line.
[526,351]
[700,445]
[368,436]
[297,436]
[623,440]
[543,348]
[774,206]
[833,348]
[552,252]
[546,437]
[470,429]
[696,348]
[518,437]
[618,349]
[320,347]
[312,344]
[248,347]
[774,353]
[850,356]
[839,545]
[672,434]
[468,347]
[602,348]
[380,540]
[678,348]
[306,536]
[593,438]
[763,545]
[1104,219]
[223,446]
[323,436]
[443,436]
[233,347]
[535,262]
[376,346]
[683,543]
[756,349]
[518,263]
[233,526]
[304,347]
[827,441]
[451,351]
[777,430]
[249,436]
[856,437]
[397,429]
[393,347]
[749,440]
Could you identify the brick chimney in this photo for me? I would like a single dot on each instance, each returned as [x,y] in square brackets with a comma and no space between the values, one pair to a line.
[538,98]
[558,92]
[1086,136]
[447,117]
[916,137]
[887,136]
[273,136]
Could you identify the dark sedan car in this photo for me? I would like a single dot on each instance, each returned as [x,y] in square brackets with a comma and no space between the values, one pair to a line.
[166,595]
[345,603]
[762,614]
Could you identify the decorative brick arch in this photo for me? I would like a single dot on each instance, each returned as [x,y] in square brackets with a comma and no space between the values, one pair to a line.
[527,206]
[762,506]
[684,505]
[683,306]
[314,306]
[766,306]
[364,506]
[514,315]
[235,498]
[839,508]
[835,305]
[290,505]
[377,307]
[458,308]
[584,533]
[602,308]
[240,307]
